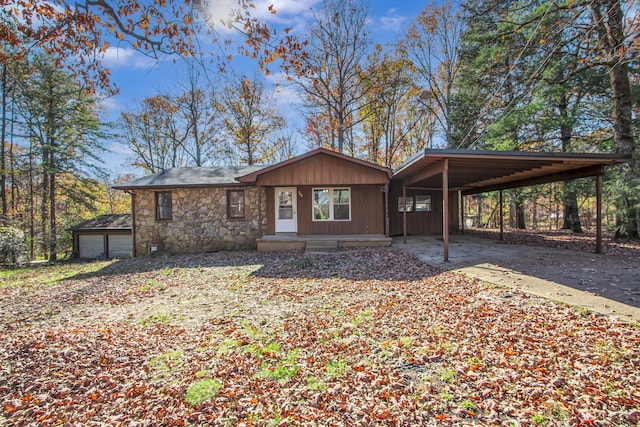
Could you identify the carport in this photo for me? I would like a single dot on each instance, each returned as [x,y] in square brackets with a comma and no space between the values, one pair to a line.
[467,172]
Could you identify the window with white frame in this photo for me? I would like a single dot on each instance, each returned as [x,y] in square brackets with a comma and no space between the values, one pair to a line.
[331,204]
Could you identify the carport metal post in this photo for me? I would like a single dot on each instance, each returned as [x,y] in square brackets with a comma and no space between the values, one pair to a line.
[404,213]
[259,192]
[386,210]
[461,213]
[501,218]
[445,208]
[599,212]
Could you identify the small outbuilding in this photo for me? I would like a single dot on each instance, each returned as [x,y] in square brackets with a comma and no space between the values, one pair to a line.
[107,236]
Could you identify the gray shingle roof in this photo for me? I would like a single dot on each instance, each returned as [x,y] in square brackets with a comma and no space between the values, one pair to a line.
[191,177]
[106,222]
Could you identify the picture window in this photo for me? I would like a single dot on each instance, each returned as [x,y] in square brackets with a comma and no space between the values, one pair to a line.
[332,204]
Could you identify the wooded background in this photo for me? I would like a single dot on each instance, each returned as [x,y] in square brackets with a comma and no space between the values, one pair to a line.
[536,76]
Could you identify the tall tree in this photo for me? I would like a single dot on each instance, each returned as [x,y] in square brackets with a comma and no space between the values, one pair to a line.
[614,47]
[250,120]
[333,62]
[197,106]
[4,86]
[61,123]
[392,108]
[553,48]
[432,45]
[155,134]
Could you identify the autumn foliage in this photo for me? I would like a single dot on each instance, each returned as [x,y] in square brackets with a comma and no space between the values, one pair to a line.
[370,337]
[77,34]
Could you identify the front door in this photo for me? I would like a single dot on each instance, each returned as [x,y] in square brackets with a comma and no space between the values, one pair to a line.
[286,218]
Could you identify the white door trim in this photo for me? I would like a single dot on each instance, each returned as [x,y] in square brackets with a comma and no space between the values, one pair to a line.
[286,210]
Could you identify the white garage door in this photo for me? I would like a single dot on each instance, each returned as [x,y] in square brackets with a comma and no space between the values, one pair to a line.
[91,245]
[120,246]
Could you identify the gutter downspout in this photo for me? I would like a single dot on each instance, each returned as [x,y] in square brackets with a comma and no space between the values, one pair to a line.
[387,233]
[445,208]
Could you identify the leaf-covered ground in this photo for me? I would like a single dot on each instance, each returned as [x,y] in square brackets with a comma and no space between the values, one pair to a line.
[370,337]
[565,239]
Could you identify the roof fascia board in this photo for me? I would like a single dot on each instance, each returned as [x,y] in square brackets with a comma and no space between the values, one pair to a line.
[530,155]
[424,173]
[100,229]
[409,162]
[164,187]
[560,176]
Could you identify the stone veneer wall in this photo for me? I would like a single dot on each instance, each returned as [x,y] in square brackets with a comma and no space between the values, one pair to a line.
[199,222]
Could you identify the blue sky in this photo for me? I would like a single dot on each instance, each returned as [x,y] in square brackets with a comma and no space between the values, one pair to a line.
[138,76]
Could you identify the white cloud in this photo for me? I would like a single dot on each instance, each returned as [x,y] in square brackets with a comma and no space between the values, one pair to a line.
[221,13]
[287,12]
[110,105]
[393,21]
[120,57]
[117,149]
[284,90]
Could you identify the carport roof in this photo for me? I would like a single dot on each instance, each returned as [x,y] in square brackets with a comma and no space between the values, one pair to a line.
[478,171]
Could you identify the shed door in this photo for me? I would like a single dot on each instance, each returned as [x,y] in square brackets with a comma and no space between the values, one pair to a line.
[91,245]
[120,246]
[286,218]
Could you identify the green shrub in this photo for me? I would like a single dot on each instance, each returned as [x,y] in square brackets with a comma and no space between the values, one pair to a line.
[13,247]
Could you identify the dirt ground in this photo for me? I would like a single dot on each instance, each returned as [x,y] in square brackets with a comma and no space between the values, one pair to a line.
[605,283]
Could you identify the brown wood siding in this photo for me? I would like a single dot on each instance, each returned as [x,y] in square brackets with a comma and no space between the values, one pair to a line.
[422,223]
[323,170]
[271,211]
[367,212]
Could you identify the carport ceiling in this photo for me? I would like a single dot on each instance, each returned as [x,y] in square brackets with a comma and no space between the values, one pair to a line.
[477,171]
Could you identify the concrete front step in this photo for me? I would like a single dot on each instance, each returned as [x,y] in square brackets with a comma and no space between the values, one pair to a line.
[321,246]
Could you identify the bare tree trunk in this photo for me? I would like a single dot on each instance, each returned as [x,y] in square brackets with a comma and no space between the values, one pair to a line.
[31,213]
[3,133]
[512,212]
[609,24]
[12,171]
[571,213]
[53,253]
[520,215]
[45,197]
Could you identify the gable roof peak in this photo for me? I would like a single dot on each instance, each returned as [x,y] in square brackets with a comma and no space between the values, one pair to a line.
[252,177]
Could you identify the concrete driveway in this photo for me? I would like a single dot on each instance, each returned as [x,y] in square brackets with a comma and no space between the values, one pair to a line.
[606,284]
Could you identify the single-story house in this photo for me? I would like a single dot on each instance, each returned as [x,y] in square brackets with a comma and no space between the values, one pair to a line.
[107,236]
[330,199]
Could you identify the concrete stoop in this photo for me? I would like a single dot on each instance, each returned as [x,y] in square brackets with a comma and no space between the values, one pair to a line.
[321,246]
